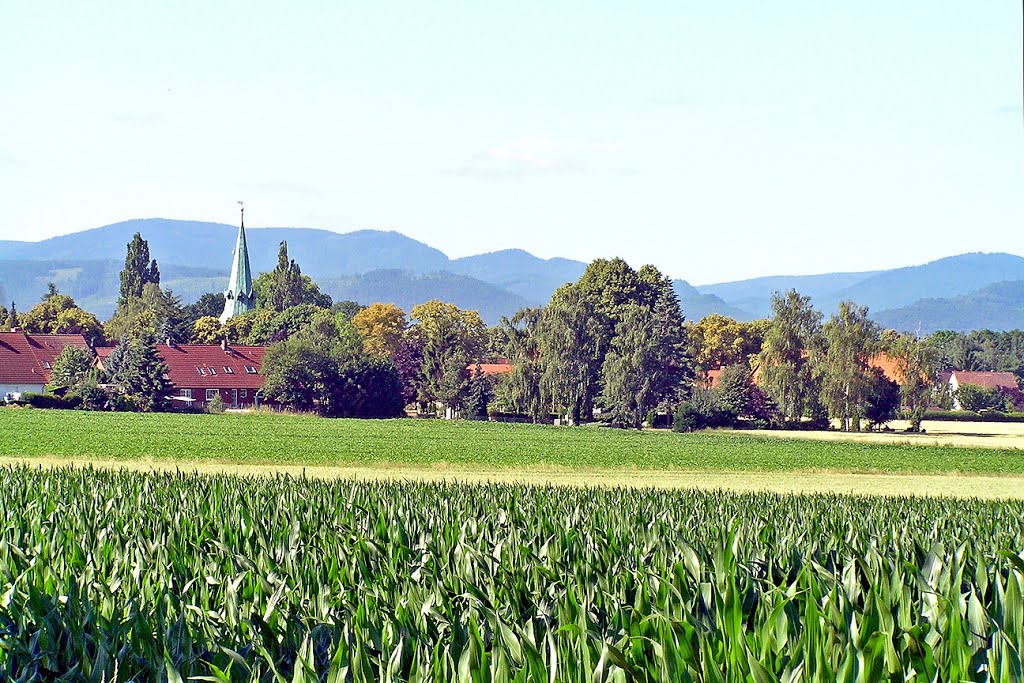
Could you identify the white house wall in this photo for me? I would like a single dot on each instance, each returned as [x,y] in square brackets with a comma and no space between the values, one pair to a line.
[20,388]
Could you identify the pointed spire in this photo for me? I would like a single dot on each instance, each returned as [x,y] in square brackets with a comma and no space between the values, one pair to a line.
[239,297]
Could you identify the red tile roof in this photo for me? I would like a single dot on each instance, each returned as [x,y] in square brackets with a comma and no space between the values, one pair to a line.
[208,366]
[491,368]
[888,365]
[988,380]
[712,378]
[24,357]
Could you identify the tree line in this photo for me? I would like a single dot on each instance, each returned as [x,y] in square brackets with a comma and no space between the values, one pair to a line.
[613,346]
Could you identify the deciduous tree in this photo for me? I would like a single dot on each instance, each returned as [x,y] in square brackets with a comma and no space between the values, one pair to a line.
[59,314]
[207,330]
[382,327]
[915,364]
[785,359]
[452,339]
[521,390]
[71,366]
[851,340]
[156,313]
[647,362]
[571,339]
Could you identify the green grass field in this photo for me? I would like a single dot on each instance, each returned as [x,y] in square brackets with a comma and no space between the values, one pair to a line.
[310,441]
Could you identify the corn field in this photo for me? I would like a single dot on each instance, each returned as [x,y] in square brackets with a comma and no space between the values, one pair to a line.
[121,576]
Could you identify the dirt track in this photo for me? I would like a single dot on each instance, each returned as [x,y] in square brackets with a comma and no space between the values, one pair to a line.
[957,486]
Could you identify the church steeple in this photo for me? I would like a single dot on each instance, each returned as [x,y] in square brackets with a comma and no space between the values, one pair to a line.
[239,297]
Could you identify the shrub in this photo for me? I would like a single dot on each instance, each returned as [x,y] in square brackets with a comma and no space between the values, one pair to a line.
[43,400]
[215,406]
[703,411]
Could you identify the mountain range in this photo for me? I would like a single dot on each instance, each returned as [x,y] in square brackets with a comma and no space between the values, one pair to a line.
[962,292]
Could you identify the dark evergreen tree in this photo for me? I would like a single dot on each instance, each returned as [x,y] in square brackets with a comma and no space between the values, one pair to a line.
[136,367]
[479,394]
[9,318]
[138,270]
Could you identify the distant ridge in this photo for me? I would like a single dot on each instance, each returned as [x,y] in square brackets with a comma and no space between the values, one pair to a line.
[879,290]
[998,307]
[378,265]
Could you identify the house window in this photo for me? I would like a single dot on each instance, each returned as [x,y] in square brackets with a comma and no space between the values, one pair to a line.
[212,371]
[228,370]
[186,393]
[250,369]
[245,393]
[210,393]
[201,371]
[46,364]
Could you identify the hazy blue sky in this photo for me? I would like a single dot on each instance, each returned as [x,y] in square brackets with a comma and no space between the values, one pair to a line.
[717,140]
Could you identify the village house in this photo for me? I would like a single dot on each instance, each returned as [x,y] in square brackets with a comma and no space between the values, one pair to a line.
[26,359]
[199,372]
[986,380]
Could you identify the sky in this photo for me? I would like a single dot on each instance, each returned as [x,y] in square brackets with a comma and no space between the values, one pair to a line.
[718,141]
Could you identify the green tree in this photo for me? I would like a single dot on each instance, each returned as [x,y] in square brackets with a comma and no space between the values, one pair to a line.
[975,398]
[851,340]
[785,358]
[138,270]
[268,327]
[154,312]
[71,366]
[571,337]
[347,308]
[881,398]
[286,286]
[452,339]
[479,395]
[10,318]
[735,389]
[59,314]
[647,362]
[137,369]
[521,390]
[322,369]
[915,364]
[209,305]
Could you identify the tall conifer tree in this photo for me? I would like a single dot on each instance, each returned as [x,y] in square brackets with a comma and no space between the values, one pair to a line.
[138,271]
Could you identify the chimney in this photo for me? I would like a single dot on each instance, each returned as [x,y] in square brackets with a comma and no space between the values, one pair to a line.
[223,344]
[170,343]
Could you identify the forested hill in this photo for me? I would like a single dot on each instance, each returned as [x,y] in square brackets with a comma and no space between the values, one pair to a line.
[996,307]
[374,265]
[891,294]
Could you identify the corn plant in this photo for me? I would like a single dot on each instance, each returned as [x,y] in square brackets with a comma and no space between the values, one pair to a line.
[122,576]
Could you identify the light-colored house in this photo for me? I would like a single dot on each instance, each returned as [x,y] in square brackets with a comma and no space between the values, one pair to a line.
[26,359]
[985,380]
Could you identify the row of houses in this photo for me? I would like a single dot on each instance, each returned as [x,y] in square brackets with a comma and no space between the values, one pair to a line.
[953,379]
[197,372]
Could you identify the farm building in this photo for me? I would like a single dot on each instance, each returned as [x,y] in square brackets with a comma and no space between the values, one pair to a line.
[986,380]
[27,359]
[199,372]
